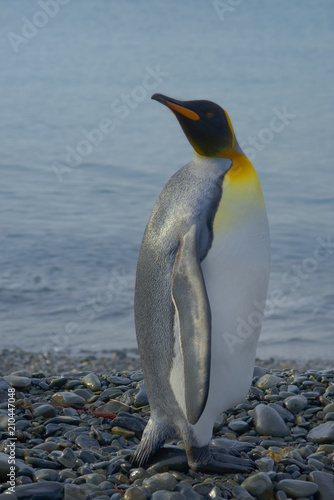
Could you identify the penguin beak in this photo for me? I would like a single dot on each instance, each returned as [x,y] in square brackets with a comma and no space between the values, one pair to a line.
[180,107]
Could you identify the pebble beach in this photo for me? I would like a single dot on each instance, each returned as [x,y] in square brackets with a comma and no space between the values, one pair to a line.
[78,420]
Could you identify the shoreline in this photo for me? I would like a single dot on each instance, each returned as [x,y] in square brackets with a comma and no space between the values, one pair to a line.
[116,360]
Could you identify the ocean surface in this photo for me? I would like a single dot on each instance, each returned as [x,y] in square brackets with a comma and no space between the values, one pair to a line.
[85,153]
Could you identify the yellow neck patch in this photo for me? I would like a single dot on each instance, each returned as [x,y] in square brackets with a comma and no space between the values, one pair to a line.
[242,193]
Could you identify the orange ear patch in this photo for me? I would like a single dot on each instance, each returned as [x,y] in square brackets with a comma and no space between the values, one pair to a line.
[183,111]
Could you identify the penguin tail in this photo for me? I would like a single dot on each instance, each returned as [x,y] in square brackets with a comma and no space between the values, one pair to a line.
[155,434]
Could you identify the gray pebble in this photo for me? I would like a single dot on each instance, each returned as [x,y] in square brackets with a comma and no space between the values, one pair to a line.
[46,490]
[323,433]
[215,493]
[133,422]
[285,414]
[68,398]
[51,429]
[67,458]
[84,441]
[92,382]
[8,496]
[316,463]
[259,485]
[325,484]
[268,422]
[72,384]
[328,408]
[295,403]
[293,388]
[203,488]
[259,371]
[241,493]
[281,495]
[18,382]
[65,420]
[87,456]
[238,425]
[43,464]
[111,392]
[297,489]
[163,481]
[46,411]
[58,382]
[84,393]
[46,474]
[135,493]
[168,495]
[113,379]
[113,407]
[265,464]
[137,376]
[267,381]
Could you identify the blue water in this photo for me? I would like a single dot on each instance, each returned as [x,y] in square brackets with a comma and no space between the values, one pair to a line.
[71,223]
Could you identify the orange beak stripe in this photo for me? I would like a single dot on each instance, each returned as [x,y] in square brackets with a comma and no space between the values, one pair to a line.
[183,111]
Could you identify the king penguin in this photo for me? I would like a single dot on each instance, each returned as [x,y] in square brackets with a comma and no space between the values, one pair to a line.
[201,287]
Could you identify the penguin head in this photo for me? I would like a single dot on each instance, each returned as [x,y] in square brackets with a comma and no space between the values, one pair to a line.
[206,125]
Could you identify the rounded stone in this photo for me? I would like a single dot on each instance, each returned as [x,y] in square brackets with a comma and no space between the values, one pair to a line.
[113,379]
[323,433]
[135,493]
[325,484]
[48,446]
[267,381]
[67,458]
[241,493]
[295,403]
[92,382]
[18,382]
[84,441]
[259,485]
[169,495]
[46,490]
[328,408]
[259,371]
[265,464]
[163,481]
[74,492]
[46,411]
[238,425]
[68,398]
[46,475]
[297,489]
[119,431]
[268,422]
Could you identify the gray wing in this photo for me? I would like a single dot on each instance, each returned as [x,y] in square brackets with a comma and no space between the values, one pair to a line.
[194,315]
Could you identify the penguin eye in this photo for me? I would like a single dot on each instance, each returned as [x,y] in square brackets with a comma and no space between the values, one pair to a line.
[209,114]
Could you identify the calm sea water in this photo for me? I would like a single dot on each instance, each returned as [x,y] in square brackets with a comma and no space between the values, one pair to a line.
[75,200]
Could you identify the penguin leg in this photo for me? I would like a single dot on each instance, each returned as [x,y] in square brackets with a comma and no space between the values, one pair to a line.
[211,459]
[155,434]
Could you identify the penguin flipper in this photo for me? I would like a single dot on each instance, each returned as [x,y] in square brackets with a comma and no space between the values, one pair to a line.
[194,316]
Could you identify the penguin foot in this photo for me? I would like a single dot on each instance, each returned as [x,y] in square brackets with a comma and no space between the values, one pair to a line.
[207,459]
